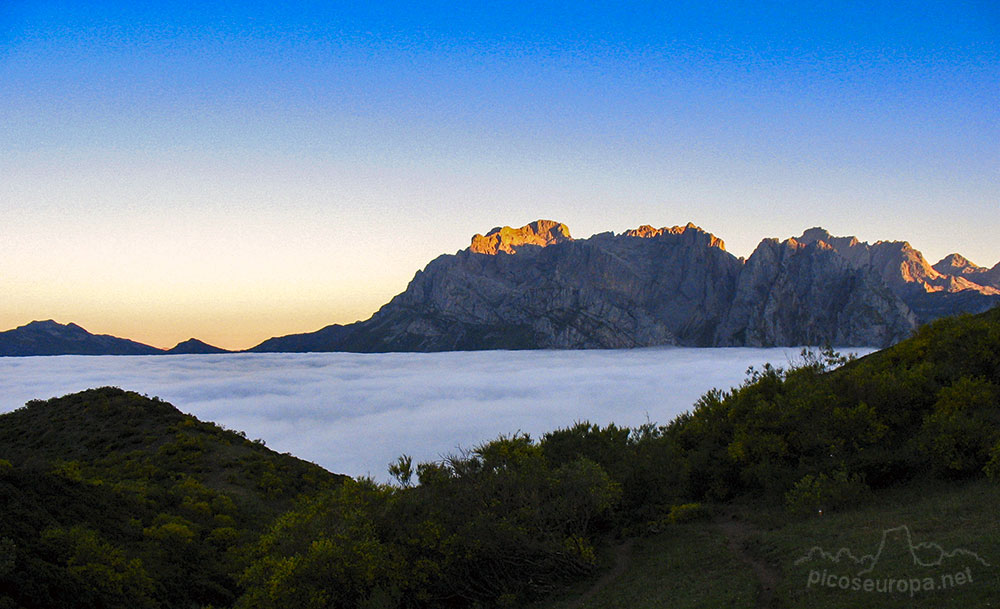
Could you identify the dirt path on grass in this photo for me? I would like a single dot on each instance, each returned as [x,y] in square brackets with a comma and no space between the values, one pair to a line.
[622,557]
[737,533]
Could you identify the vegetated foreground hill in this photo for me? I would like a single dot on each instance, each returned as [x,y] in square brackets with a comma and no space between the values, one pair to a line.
[118,500]
[537,287]
[112,499]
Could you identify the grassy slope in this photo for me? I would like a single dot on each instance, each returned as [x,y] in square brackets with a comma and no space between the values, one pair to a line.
[126,439]
[685,567]
[691,565]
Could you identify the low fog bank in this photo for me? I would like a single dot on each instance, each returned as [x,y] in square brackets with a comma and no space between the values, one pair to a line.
[355,413]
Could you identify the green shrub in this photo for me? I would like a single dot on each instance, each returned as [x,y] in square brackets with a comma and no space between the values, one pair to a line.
[992,468]
[687,512]
[8,554]
[817,494]
[963,428]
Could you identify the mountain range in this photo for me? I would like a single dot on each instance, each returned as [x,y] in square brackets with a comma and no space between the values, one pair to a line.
[536,287]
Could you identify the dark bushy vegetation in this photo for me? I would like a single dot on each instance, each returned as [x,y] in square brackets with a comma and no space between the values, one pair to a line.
[495,525]
[111,499]
[151,519]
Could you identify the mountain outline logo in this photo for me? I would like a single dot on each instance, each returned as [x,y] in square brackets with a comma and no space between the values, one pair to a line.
[869,561]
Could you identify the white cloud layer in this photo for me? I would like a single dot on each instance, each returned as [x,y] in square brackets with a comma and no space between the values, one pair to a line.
[355,413]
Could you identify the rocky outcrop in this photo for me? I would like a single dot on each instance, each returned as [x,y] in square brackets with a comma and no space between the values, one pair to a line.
[537,287]
[539,233]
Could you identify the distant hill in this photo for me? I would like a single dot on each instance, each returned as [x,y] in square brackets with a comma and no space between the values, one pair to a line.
[537,287]
[194,346]
[51,338]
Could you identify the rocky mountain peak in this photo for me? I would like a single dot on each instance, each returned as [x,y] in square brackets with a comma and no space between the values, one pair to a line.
[539,233]
[843,245]
[815,233]
[648,232]
[902,267]
[956,264]
[961,268]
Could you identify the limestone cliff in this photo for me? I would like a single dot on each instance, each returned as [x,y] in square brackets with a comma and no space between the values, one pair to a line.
[924,288]
[805,293]
[537,287]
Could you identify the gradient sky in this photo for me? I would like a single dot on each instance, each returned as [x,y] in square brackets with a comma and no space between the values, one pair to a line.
[238,170]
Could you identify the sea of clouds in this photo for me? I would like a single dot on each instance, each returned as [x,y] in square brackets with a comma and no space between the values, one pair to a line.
[356,413]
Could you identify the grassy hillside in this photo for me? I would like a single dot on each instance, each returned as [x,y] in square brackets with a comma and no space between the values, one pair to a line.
[713,564]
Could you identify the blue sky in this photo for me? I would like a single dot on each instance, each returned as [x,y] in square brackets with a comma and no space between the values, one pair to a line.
[234,170]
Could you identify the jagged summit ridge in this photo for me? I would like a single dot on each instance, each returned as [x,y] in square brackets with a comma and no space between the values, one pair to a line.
[537,287]
[691,229]
[902,266]
[543,233]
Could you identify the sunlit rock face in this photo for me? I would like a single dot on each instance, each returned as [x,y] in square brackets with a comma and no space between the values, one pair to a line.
[647,286]
[900,266]
[951,286]
[536,287]
[959,266]
[509,240]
